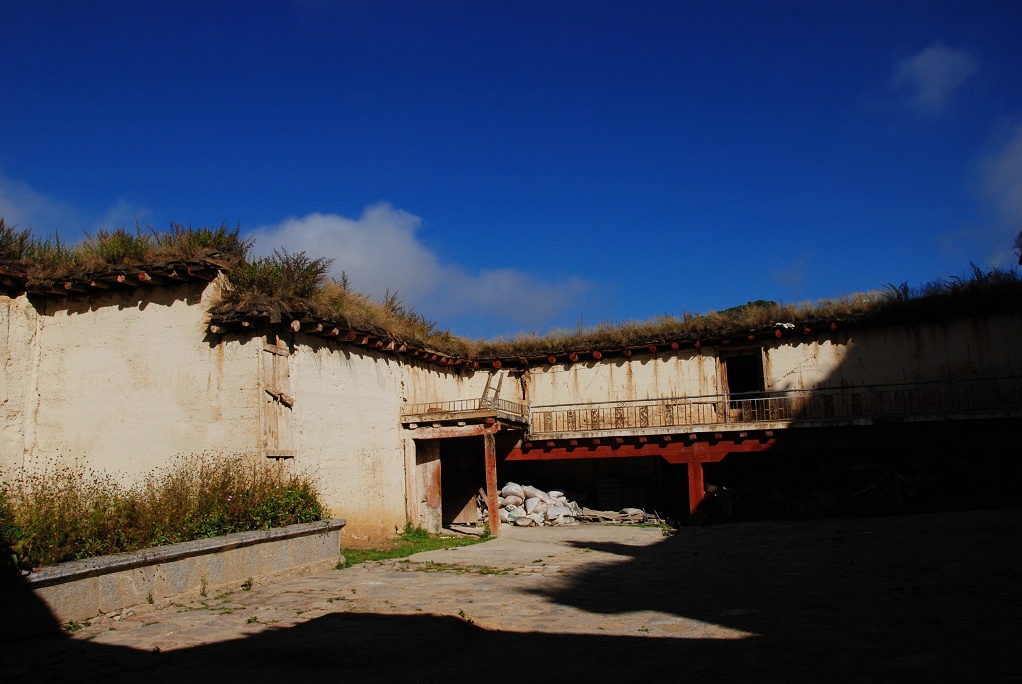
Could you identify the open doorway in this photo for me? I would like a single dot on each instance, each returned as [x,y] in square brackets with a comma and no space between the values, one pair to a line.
[743,377]
[462,477]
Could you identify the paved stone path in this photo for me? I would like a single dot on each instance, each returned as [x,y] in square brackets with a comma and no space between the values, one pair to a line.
[889,599]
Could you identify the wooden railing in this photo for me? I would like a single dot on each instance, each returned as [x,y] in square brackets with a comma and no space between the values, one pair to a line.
[938,399]
[465,405]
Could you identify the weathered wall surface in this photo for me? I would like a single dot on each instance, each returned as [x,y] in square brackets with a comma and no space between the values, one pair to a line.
[980,347]
[348,431]
[686,372]
[124,381]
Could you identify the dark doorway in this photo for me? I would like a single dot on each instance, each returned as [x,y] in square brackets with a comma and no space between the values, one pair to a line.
[462,475]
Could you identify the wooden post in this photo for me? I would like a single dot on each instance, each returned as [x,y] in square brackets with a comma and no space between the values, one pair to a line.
[493,517]
[696,488]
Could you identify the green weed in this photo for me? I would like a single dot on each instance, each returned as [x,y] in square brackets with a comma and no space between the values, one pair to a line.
[57,513]
[411,541]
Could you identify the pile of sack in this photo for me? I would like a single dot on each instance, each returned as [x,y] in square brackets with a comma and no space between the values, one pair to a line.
[525,505]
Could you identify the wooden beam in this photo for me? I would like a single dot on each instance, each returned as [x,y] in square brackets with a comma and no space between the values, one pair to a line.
[174,275]
[696,487]
[127,280]
[452,431]
[490,457]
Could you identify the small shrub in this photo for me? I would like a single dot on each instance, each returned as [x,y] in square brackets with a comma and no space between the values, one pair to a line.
[14,244]
[65,513]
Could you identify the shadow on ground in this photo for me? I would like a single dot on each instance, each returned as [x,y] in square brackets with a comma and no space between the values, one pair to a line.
[886,599]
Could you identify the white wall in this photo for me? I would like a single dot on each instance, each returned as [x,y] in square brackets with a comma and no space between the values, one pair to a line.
[988,346]
[123,384]
[686,372]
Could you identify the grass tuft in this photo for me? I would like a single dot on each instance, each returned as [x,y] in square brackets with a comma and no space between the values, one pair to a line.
[63,513]
[412,540]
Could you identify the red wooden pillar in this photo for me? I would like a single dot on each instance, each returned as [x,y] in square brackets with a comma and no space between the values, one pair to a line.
[493,518]
[696,488]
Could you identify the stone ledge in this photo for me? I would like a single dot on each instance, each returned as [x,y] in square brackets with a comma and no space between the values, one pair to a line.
[154,578]
[104,565]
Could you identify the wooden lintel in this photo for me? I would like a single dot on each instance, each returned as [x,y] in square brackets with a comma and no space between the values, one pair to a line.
[100,285]
[674,345]
[454,431]
[295,325]
[402,349]
[390,346]
[551,359]
[174,275]
[330,332]
[217,329]
[652,349]
[202,273]
[573,356]
[496,363]
[597,355]
[74,287]
[59,291]
[127,280]
[145,278]
[310,327]
[626,352]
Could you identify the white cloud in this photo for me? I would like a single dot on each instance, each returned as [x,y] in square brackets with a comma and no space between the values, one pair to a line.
[1001,178]
[22,206]
[382,250]
[928,78]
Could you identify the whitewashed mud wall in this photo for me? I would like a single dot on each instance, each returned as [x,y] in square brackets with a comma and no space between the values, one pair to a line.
[347,426]
[686,372]
[979,347]
[123,385]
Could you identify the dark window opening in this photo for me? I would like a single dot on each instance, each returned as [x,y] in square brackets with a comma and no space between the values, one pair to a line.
[744,374]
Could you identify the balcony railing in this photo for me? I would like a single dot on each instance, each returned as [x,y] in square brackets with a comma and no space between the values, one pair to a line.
[467,405]
[941,399]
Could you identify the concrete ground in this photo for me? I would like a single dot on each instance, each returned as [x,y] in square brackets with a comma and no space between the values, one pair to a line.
[933,597]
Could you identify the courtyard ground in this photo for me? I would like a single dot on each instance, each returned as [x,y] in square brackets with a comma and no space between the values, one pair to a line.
[935,597]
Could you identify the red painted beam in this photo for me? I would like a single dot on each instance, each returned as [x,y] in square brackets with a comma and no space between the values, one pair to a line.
[696,487]
[672,452]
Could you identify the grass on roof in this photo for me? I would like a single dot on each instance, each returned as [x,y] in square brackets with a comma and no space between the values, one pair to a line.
[52,258]
[294,285]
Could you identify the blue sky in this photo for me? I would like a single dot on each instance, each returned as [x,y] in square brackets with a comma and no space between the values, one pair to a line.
[522,166]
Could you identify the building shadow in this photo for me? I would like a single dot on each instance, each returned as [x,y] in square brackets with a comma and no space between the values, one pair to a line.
[930,597]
